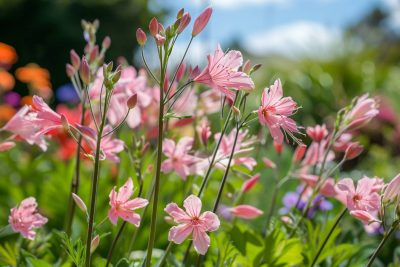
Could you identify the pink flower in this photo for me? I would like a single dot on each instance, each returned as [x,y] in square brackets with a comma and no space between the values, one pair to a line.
[109,147]
[275,110]
[192,222]
[327,188]
[317,133]
[178,156]
[364,216]
[353,150]
[364,109]
[392,191]
[201,21]
[124,208]
[222,73]
[364,197]
[316,152]
[25,218]
[246,212]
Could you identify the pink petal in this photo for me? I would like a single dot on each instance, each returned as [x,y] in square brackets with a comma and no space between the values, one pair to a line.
[192,206]
[126,191]
[179,233]
[136,203]
[210,221]
[346,184]
[113,216]
[176,213]
[201,241]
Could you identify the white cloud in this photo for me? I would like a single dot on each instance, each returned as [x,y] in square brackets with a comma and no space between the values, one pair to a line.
[299,39]
[230,4]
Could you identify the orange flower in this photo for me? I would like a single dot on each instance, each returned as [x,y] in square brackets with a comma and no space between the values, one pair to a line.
[6,112]
[38,78]
[7,81]
[8,55]
[26,100]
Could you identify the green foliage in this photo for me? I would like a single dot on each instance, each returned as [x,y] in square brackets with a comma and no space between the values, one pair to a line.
[8,254]
[74,249]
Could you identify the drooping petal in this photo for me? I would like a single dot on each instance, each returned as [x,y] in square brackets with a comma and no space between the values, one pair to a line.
[136,203]
[201,241]
[179,233]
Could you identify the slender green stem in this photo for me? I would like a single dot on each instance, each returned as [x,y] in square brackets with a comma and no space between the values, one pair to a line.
[327,237]
[110,252]
[162,261]
[76,179]
[382,243]
[158,171]
[95,180]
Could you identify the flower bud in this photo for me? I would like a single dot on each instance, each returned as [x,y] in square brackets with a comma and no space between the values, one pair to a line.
[153,27]
[246,66]
[201,21]
[250,183]
[180,13]
[299,152]
[317,133]
[94,53]
[117,74]
[185,20]
[84,72]
[278,147]
[106,42]
[75,60]
[160,40]
[161,28]
[246,212]
[95,243]
[255,68]
[204,131]
[180,72]
[132,101]
[6,146]
[141,37]
[70,70]
[79,202]
[392,191]
[269,163]
[353,150]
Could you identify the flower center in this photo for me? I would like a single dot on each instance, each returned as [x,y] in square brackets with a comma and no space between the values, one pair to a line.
[195,220]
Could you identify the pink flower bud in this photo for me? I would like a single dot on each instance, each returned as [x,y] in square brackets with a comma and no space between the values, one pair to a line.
[363,216]
[141,37]
[353,150]
[278,147]
[250,183]
[153,27]
[185,20]
[161,28]
[64,122]
[180,72]
[84,72]
[364,109]
[392,191]
[132,101]
[94,53]
[246,212]
[201,21]
[166,84]
[286,220]
[75,60]
[95,243]
[299,152]
[79,202]
[246,66]
[160,40]
[70,70]
[6,146]
[106,42]
[194,72]
[317,133]
[269,163]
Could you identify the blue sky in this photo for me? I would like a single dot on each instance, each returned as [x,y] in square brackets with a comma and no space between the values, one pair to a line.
[289,27]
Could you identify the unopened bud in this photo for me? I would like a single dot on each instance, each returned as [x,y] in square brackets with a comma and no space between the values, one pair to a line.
[141,37]
[353,151]
[153,26]
[180,13]
[132,101]
[79,202]
[392,191]
[250,183]
[75,60]
[94,53]
[299,152]
[117,74]
[161,28]
[236,111]
[278,147]
[255,68]
[269,163]
[84,72]
[70,70]
[246,66]
[185,20]
[201,21]
[106,42]
[94,244]
[180,72]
